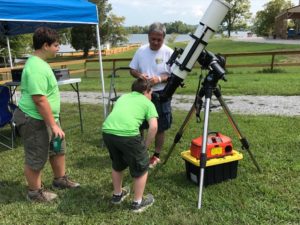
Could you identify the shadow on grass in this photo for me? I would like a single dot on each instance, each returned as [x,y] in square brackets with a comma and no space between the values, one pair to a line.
[86,140]
[87,200]
[93,162]
[11,191]
[163,176]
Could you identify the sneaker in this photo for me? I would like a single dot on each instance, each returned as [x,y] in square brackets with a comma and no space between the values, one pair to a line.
[117,199]
[153,162]
[64,182]
[41,195]
[146,202]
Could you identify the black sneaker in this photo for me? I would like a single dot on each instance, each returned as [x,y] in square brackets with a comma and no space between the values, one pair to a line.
[146,202]
[117,199]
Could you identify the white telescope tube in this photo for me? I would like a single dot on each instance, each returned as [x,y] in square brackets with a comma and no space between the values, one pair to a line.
[212,18]
[210,21]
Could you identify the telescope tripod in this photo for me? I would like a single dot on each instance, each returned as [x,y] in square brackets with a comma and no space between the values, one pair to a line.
[208,88]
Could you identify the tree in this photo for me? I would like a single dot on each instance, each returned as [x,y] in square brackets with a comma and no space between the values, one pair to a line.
[115,29]
[135,29]
[237,17]
[83,38]
[104,9]
[64,35]
[172,38]
[110,26]
[177,27]
[265,19]
[19,45]
[22,44]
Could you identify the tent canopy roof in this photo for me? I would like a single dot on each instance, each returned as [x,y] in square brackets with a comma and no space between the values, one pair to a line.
[19,16]
[291,13]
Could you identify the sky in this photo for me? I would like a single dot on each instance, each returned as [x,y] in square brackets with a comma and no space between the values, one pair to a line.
[145,12]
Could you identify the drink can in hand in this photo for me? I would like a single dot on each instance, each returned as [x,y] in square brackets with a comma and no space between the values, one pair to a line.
[56,144]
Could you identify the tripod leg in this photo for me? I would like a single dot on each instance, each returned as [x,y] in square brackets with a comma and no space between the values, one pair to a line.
[180,132]
[243,140]
[203,150]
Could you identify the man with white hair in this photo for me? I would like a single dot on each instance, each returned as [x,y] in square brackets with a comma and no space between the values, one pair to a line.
[149,63]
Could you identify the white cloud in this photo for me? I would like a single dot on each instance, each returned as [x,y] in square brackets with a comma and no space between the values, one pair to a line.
[143,12]
[198,11]
[184,8]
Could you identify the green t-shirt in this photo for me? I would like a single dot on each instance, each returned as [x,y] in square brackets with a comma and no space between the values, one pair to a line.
[38,79]
[128,114]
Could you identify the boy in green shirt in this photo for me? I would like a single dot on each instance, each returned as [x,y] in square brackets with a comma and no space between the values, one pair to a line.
[37,118]
[126,147]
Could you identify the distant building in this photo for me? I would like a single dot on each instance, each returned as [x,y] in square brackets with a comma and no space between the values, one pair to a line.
[66,48]
[281,24]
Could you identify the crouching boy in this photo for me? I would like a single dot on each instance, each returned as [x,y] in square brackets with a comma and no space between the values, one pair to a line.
[126,149]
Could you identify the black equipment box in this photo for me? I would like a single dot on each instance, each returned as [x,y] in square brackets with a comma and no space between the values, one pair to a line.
[16,74]
[61,74]
[216,170]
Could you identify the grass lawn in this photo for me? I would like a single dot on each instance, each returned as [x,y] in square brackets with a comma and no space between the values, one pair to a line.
[271,197]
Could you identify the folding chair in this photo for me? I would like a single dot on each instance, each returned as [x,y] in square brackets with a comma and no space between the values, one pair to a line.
[112,89]
[6,109]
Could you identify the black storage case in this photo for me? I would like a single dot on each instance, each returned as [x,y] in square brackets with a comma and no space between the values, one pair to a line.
[216,171]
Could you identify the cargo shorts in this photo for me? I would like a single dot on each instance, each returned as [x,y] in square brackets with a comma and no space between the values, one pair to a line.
[127,152]
[37,139]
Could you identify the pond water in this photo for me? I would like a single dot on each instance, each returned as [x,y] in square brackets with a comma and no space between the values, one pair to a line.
[143,38]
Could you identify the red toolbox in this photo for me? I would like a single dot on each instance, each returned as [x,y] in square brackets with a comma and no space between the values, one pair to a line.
[218,145]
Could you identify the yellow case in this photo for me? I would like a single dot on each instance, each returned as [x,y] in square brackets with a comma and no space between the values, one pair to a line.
[212,162]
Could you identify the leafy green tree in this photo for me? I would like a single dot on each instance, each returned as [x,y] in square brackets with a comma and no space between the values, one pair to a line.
[109,22]
[237,17]
[265,19]
[115,29]
[22,44]
[172,38]
[135,30]
[64,35]
[19,44]
[83,38]
[104,8]
[110,26]
[177,27]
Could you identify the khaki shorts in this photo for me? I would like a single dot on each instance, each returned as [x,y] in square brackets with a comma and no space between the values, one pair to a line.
[36,138]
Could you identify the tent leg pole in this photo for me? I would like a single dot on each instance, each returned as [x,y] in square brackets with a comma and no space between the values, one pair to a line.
[101,70]
[9,52]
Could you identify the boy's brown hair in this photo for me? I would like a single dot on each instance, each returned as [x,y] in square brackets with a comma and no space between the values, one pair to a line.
[140,85]
[44,35]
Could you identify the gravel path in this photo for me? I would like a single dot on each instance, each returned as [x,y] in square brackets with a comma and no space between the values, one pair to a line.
[257,105]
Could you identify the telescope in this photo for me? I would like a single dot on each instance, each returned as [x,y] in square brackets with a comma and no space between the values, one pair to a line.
[182,61]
